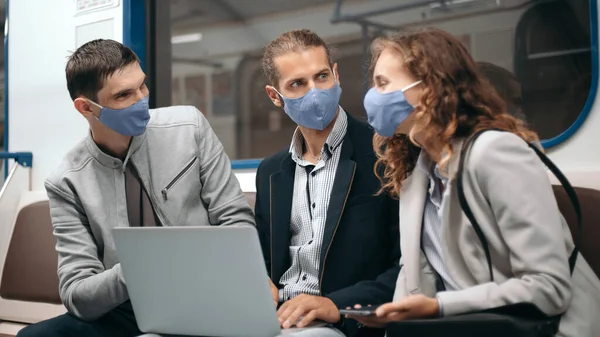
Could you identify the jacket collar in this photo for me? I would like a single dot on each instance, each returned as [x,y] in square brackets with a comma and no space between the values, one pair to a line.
[342,184]
[108,160]
[412,203]
[413,196]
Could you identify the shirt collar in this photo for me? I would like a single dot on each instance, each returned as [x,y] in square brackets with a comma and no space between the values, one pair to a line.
[334,140]
[425,164]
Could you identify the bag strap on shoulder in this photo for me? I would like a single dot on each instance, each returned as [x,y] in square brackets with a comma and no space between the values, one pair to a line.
[559,175]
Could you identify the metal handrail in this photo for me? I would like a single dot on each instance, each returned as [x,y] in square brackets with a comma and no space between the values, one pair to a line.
[24,159]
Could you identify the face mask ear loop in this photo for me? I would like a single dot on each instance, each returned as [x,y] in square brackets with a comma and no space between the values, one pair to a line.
[280,97]
[277,91]
[411,86]
[96,105]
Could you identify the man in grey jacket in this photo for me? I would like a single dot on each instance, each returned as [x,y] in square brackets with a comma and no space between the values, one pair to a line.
[137,167]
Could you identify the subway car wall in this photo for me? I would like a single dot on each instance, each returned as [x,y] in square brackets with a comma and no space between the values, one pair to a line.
[538,54]
[541,55]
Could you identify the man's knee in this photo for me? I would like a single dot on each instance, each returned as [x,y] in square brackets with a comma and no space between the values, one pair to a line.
[27,331]
[60,326]
[37,330]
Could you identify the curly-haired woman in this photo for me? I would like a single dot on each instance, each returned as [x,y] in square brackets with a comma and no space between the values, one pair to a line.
[427,99]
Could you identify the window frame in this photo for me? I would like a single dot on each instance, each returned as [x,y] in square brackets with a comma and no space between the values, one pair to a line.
[589,103]
[136,37]
[6,89]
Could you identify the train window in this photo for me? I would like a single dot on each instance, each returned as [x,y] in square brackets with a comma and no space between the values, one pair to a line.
[553,62]
[538,55]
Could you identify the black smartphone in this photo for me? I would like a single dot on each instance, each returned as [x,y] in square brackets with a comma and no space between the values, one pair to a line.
[364,311]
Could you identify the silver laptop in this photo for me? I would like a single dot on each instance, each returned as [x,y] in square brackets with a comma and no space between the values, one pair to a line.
[197,281]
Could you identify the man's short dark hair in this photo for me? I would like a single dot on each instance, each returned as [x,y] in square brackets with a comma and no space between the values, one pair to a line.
[92,63]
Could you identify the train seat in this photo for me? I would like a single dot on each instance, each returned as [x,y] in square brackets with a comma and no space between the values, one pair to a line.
[28,277]
[30,274]
[590,208]
[29,282]
[251,197]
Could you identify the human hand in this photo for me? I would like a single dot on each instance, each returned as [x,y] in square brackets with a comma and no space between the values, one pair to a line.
[308,308]
[371,321]
[411,307]
[274,292]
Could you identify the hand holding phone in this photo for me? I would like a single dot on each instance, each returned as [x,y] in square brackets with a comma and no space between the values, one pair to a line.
[365,315]
[363,311]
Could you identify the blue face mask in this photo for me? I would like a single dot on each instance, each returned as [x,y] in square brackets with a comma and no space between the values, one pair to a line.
[130,121]
[387,111]
[316,109]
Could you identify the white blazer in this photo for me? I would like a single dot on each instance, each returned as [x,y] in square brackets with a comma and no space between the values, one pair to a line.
[510,195]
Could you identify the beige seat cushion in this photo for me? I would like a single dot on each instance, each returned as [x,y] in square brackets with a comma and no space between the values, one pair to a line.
[31,263]
[251,197]
[30,269]
[590,208]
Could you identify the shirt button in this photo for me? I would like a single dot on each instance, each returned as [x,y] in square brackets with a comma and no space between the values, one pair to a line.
[313,174]
[310,242]
[314,205]
[304,277]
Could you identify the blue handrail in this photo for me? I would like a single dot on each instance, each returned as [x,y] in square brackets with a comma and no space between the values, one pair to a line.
[24,159]
[245,164]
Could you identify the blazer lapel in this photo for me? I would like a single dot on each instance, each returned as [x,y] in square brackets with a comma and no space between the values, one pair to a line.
[412,204]
[452,220]
[342,185]
[281,194]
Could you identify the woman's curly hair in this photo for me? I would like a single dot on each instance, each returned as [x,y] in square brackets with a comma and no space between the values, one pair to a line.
[456,102]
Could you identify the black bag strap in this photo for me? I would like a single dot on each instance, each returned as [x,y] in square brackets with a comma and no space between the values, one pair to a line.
[559,175]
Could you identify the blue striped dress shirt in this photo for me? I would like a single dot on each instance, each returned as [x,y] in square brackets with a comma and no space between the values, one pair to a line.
[432,224]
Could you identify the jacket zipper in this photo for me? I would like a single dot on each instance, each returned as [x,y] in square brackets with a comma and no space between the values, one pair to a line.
[151,196]
[179,175]
[334,231]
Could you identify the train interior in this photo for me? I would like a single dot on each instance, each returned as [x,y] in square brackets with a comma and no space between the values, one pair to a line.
[206,53]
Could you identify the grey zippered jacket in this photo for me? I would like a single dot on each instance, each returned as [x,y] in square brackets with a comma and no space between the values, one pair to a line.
[188,177]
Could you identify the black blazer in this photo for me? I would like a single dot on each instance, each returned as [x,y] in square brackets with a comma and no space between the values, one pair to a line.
[361,245]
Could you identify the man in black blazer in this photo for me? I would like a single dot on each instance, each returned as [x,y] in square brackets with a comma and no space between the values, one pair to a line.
[328,240]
